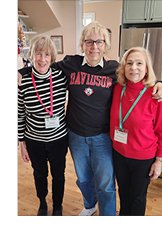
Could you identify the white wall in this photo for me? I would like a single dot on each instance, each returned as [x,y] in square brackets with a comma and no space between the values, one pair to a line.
[66,13]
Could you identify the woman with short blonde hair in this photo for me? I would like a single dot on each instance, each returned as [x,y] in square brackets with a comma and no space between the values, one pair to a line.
[135,130]
[97,28]
[42,130]
[149,78]
[42,43]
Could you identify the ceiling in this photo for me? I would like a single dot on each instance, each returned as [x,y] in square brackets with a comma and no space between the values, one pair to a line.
[36,10]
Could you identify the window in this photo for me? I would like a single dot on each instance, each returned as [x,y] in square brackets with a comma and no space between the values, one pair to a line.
[88,18]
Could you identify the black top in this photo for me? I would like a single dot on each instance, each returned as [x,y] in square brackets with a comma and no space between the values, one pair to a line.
[90,95]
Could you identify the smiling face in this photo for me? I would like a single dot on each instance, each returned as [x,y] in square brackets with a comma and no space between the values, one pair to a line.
[42,61]
[42,53]
[135,67]
[94,48]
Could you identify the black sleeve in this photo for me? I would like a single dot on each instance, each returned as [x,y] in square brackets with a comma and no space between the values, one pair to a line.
[61,65]
[25,70]
[55,65]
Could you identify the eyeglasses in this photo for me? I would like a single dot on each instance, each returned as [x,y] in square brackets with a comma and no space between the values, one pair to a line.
[99,42]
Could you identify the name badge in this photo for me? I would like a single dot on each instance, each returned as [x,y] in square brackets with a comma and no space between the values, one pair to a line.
[52,122]
[121,136]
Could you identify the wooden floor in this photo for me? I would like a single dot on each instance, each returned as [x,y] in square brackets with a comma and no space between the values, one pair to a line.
[28,202]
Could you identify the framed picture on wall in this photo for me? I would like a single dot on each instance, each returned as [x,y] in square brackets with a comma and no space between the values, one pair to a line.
[58,40]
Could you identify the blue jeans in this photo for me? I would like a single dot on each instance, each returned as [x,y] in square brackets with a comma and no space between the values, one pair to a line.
[93,163]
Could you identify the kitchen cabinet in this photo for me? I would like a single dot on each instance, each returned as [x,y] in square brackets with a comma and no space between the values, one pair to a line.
[143,11]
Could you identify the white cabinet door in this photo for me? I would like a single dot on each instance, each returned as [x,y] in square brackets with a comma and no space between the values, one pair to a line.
[155,14]
[135,11]
[143,11]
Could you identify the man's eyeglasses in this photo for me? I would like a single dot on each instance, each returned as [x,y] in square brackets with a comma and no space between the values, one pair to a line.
[99,42]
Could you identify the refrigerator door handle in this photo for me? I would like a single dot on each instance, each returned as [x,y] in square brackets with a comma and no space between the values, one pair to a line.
[148,40]
[144,39]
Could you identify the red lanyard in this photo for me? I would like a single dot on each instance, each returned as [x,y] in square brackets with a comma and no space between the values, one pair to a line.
[51,95]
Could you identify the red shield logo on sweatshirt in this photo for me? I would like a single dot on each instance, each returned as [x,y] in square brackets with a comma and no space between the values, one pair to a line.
[88,91]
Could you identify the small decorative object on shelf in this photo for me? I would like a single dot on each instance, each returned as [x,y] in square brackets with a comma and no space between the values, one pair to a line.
[23,35]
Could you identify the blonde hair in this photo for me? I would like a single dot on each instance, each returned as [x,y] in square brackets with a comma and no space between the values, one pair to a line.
[149,78]
[42,43]
[95,27]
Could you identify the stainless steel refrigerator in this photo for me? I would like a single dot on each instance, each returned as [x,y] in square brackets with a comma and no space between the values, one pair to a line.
[150,38]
